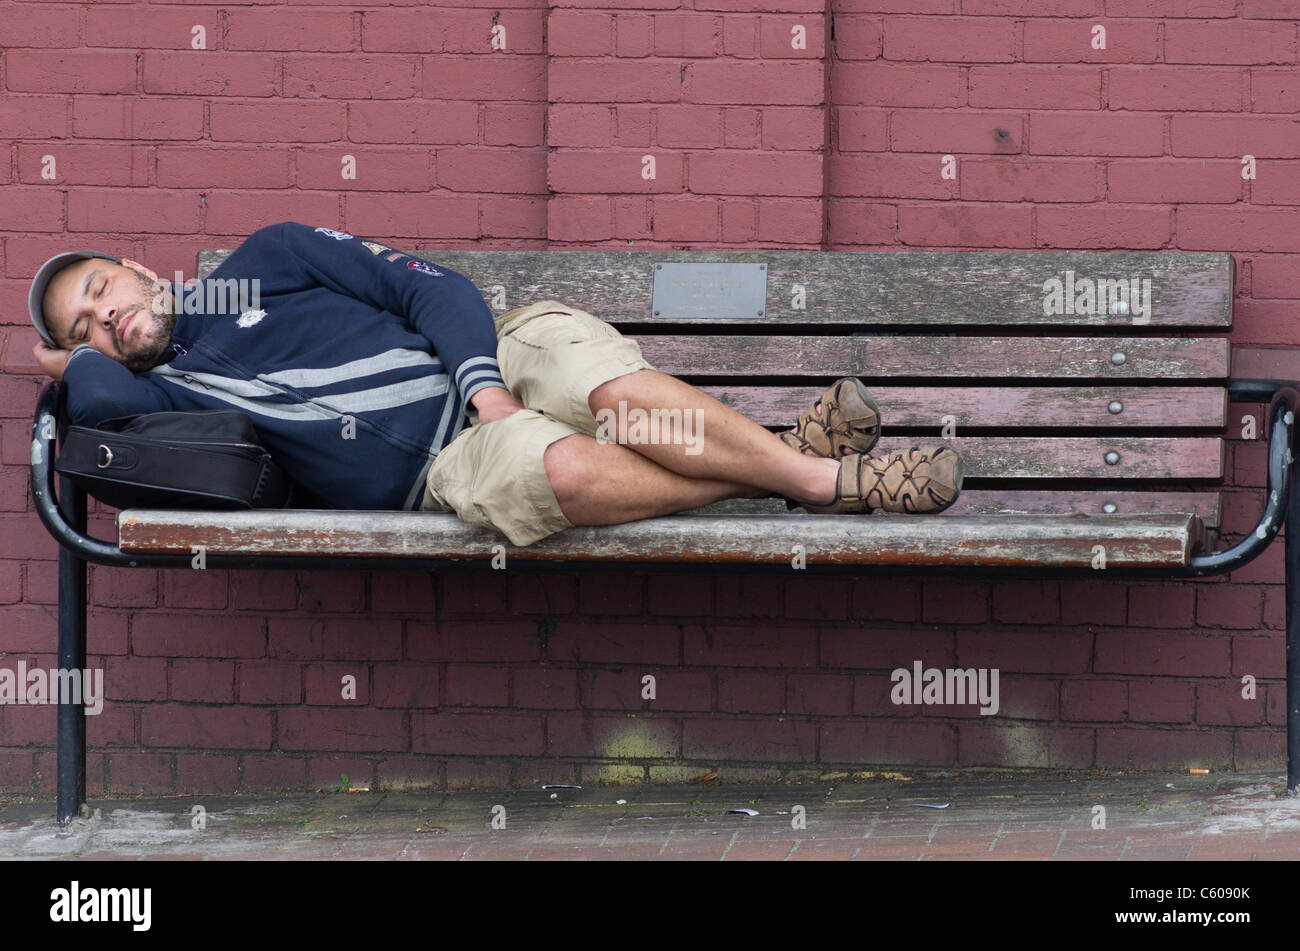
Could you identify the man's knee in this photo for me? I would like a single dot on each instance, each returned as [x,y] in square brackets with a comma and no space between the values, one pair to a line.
[569,466]
[610,392]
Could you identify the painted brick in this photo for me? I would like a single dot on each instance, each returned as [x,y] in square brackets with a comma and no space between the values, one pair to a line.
[1071,41]
[887,742]
[889,176]
[626,737]
[405,685]
[197,635]
[199,73]
[749,738]
[1164,180]
[956,131]
[325,684]
[205,727]
[884,647]
[331,592]
[1161,605]
[1030,651]
[1027,602]
[477,685]
[205,774]
[622,642]
[263,681]
[472,641]
[1224,43]
[949,39]
[273,771]
[1035,87]
[336,638]
[1163,749]
[457,733]
[315,728]
[775,37]
[1014,180]
[1094,700]
[1236,606]
[545,688]
[1161,701]
[269,30]
[1220,703]
[118,117]
[1101,228]
[64,71]
[1178,88]
[263,590]
[607,593]
[202,680]
[134,773]
[819,694]
[1001,744]
[991,226]
[1140,652]
[885,83]
[751,692]
[187,588]
[623,688]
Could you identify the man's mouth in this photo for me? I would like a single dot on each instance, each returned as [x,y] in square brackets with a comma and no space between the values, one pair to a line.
[124,324]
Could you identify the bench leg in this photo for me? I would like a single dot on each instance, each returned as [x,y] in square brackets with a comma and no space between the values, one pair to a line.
[1293,635]
[71,749]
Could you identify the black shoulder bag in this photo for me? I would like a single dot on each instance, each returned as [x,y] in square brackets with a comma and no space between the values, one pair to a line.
[206,459]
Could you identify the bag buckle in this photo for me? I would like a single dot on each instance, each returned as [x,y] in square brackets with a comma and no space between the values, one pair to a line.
[108,457]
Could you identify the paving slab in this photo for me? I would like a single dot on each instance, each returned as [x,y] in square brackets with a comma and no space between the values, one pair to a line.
[1099,816]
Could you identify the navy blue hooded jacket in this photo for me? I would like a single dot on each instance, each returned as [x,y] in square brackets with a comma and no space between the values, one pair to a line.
[356,363]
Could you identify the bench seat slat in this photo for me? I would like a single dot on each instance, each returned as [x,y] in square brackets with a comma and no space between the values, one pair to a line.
[1011,407]
[938,357]
[981,288]
[1043,540]
[1204,505]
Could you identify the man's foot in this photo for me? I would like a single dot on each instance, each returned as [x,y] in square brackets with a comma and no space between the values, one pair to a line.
[844,421]
[916,480]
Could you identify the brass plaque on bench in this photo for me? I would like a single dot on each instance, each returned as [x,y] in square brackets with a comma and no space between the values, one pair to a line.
[721,290]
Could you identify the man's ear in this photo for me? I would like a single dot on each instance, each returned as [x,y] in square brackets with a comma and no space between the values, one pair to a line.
[137,266]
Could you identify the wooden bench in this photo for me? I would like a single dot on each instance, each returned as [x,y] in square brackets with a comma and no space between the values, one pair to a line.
[1093,432]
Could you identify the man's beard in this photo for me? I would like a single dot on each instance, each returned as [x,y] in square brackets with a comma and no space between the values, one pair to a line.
[154,333]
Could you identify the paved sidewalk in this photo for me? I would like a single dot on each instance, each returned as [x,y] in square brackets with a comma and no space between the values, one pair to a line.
[1168,816]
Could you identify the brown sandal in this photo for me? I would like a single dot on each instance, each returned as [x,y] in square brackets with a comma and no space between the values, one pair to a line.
[846,422]
[918,480]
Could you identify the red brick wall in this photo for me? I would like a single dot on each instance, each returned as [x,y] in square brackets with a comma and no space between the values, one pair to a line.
[220,681]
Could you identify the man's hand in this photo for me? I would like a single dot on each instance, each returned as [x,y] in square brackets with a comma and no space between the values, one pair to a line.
[52,360]
[493,403]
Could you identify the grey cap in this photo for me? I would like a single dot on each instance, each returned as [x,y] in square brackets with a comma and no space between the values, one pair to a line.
[36,296]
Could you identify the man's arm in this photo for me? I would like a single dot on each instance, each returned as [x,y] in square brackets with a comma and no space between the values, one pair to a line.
[99,387]
[446,308]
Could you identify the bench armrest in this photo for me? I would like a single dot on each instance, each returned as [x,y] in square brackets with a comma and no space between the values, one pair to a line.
[1283,408]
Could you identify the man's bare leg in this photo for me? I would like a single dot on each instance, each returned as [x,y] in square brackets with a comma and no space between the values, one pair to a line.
[599,483]
[730,447]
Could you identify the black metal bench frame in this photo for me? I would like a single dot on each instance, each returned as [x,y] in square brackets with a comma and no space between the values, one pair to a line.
[64,515]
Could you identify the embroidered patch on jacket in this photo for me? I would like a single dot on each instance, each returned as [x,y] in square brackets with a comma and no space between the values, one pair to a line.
[336,235]
[376,248]
[394,256]
[425,266]
[249,317]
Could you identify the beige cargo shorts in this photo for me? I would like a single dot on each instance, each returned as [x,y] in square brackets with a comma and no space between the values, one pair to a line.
[492,474]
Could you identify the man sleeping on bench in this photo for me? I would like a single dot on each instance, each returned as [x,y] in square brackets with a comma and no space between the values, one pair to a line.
[380,381]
